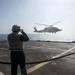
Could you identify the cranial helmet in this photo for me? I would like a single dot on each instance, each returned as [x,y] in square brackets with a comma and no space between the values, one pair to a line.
[15,28]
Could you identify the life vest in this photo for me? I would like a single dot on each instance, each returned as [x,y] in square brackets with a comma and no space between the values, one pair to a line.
[14,42]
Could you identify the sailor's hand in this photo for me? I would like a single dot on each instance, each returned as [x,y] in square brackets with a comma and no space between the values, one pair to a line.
[21,30]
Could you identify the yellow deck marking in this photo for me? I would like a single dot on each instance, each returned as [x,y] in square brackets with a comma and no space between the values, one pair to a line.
[36,67]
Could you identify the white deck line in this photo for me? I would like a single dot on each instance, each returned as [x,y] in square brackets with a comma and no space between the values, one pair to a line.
[3,48]
[1,73]
[64,52]
[4,55]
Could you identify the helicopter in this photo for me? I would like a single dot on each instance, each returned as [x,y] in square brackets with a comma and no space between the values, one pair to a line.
[49,28]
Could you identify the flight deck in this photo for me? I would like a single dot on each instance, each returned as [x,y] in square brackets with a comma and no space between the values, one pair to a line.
[40,51]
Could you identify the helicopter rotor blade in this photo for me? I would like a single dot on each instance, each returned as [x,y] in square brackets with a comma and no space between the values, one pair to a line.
[57,22]
[43,24]
[48,25]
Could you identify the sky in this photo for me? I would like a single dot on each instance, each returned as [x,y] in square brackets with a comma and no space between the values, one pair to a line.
[26,13]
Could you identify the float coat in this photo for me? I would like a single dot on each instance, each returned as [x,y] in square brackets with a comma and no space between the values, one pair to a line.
[14,42]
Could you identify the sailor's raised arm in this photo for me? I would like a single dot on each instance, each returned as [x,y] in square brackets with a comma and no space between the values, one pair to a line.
[24,36]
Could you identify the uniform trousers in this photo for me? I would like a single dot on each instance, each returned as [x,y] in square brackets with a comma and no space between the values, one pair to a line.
[18,58]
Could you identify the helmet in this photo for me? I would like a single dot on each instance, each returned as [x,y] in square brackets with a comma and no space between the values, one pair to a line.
[15,28]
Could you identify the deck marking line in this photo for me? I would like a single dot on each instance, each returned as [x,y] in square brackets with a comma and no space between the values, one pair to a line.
[64,52]
[34,47]
[1,73]
[4,55]
[36,67]
[4,48]
[52,48]
[45,48]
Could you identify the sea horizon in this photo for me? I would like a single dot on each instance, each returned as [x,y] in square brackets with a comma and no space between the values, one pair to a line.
[45,37]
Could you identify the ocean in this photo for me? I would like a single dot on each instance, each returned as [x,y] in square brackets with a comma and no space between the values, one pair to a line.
[45,37]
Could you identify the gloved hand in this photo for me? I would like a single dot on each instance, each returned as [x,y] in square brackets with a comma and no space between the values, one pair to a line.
[21,30]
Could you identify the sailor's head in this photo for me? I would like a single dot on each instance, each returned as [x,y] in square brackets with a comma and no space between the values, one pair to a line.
[16,28]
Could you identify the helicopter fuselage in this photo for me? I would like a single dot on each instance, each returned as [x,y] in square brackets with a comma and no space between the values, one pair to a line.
[48,29]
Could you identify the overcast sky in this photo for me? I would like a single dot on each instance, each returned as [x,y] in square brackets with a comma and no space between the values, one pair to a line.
[26,13]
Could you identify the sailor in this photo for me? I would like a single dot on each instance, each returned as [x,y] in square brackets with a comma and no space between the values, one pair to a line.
[17,55]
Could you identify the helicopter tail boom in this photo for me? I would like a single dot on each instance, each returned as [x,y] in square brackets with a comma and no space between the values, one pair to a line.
[35,29]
